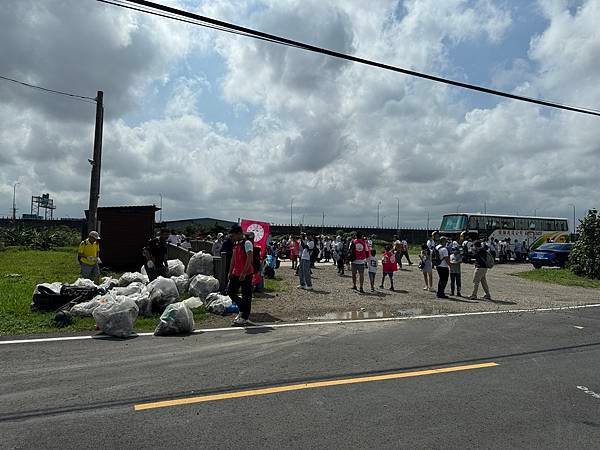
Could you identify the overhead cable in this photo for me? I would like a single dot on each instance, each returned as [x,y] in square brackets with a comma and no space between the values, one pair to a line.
[53,91]
[196,19]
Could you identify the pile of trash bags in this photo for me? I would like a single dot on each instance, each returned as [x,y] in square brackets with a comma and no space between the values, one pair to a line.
[115,304]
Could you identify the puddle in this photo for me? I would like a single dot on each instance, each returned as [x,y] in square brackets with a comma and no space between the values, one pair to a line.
[417,311]
[349,315]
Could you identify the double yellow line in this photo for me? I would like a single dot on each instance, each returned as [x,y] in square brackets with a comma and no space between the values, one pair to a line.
[302,386]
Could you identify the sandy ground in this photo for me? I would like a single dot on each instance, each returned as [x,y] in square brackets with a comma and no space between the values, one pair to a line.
[333,298]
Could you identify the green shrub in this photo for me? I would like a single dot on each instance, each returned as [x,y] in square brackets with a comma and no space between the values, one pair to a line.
[40,238]
[585,257]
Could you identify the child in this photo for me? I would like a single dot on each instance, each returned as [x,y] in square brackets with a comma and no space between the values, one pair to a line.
[389,266]
[426,267]
[455,262]
[372,262]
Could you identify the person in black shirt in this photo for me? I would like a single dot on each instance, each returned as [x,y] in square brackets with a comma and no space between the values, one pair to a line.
[479,276]
[155,253]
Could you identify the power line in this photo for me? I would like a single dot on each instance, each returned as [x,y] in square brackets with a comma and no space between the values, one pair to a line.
[196,19]
[79,97]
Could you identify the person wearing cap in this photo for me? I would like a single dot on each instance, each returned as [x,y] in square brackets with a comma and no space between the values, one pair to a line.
[217,245]
[155,254]
[88,258]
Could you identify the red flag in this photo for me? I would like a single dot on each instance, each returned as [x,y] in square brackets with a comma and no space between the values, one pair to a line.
[261,232]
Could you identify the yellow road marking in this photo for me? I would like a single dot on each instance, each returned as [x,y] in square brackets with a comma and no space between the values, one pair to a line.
[311,385]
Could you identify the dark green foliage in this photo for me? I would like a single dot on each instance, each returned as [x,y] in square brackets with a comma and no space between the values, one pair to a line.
[40,238]
[585,257]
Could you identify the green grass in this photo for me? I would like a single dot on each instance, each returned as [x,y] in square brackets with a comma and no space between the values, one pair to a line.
[274,285]
[34,267]
[559,276]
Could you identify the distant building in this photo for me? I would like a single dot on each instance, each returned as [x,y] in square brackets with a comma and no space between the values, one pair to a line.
[204,222]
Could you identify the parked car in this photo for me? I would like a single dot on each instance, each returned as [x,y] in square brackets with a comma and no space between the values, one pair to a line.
[551,255]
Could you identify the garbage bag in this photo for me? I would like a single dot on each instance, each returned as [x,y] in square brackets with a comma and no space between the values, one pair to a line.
[86,309]
[182,282]
[51,296]
[143,271]
[131,277]
[142,299]
[202,285]
[83,282]
[217,303]
[108,283]
[116,318]
[177,319]
[200,263]
[134,288]
[176,268]
[163,291]
[193,302]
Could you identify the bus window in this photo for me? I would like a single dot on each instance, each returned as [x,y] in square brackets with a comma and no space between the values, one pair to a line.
[508,224]
[521,224]
[453,223]
[473,223]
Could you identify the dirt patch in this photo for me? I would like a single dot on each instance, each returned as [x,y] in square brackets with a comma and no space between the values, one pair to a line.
[333,298]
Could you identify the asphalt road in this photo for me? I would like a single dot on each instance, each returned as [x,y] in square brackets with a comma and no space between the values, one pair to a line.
[82,393]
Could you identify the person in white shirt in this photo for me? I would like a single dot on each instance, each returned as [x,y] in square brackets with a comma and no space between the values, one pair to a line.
[443,268]
[307,245]
[372,264]
[173,238]
[217,245]
[431,242]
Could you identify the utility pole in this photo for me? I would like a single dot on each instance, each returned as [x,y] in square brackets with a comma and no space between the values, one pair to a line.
[160,214]
[574,224]
[398,218]
[96,164]
[291,215]
[323,224]
[378,205]
[15,201]
[485,207]
[428,213]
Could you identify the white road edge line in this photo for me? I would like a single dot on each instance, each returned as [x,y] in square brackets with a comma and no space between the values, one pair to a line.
[316,323]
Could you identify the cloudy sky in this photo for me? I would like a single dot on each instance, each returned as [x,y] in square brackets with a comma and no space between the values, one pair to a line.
[225,126]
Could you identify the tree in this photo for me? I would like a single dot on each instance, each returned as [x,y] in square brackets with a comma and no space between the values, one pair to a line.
[585,257]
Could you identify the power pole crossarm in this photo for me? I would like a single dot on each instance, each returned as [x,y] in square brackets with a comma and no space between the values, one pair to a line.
[96,164]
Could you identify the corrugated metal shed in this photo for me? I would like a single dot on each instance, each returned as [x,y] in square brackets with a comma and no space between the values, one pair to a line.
[124,231]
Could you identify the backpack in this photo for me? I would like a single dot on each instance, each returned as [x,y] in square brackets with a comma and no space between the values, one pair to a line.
[435,257]
[489,260]
[351,254]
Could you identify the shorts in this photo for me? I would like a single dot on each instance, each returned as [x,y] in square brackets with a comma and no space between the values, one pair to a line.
[358,267]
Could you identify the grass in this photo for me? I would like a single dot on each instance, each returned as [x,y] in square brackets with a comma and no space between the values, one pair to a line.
[34,267]
[274,285]
[559,276]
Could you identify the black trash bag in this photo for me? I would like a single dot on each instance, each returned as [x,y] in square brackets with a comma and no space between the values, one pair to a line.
[49,297]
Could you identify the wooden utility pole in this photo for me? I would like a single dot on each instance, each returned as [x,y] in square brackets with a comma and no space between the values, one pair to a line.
[96,164]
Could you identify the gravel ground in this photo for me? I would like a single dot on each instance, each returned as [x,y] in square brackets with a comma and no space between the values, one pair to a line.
[333,298]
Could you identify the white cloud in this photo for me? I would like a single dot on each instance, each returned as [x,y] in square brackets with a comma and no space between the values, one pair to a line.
[336,136]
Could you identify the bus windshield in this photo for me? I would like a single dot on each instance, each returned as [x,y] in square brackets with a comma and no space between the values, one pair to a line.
[455,222]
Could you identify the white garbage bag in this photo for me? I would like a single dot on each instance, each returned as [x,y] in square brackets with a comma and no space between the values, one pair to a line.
[182,282]
[132,277]
[117,318]
[86,309]
[108,283]
[202,285]
[134,288]
[200,263]
[177,319]
[143,271]
[217,303]
[163,291]
[176,267]
[83,282]
[142,299]
[193,302]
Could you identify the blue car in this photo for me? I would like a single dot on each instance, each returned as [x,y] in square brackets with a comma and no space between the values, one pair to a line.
[550,255]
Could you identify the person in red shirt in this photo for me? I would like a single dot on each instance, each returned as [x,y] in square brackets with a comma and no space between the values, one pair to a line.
[240,276]
[359,251]
[389,264]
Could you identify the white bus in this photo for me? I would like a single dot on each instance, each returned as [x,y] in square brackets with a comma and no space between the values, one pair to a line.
[535,231]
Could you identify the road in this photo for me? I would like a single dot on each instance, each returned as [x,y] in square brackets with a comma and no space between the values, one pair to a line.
[516,380]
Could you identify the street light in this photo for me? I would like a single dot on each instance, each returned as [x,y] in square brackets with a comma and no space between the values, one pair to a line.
[574,225]
[378,205]
[382,219]
[291,214]
[535,212]
[15,201]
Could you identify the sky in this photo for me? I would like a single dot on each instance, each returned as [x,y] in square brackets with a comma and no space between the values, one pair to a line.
[225,126]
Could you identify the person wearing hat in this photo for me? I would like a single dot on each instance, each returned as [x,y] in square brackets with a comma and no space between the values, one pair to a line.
[217,245]
[88,258]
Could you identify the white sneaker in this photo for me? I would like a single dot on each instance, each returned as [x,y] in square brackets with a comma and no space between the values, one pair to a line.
[300,287]
[239,322]
[309,288]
